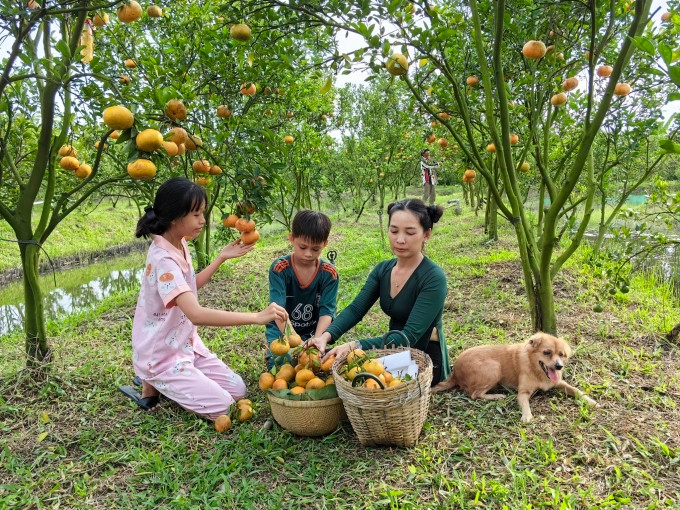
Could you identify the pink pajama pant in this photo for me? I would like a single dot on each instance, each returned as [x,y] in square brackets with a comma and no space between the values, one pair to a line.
[206,387]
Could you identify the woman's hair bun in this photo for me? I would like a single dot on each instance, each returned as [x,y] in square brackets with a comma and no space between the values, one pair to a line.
[435,212]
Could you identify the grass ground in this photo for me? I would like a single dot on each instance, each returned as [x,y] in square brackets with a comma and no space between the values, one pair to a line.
[86,231]
[72,441]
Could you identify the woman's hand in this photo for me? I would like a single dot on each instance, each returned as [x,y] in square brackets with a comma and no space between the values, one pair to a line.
[319,342]
[234,249]
[340,350]
[273,312]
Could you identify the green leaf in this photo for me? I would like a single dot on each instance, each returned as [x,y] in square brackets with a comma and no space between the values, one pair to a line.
[674,74]
[63,48]
[674,96]
[124,136]
[42,436]
[670,146]
[666,53]
[644,44]
[327,86]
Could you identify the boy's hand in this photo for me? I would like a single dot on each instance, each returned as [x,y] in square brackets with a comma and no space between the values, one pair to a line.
[273,312]
[319,342]
[235,249]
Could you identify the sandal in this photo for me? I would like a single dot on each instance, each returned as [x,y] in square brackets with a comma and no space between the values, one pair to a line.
[146,403]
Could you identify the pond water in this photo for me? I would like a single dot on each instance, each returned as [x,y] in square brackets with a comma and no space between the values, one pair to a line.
[76,289]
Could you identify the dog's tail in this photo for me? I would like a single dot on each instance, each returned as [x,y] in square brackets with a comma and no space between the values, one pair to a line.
[445,385]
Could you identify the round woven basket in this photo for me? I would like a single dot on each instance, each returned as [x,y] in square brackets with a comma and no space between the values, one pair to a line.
[307,417]
[393,416]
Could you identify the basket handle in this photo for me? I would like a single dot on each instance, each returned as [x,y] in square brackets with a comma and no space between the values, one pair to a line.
[394,331]
[361,376]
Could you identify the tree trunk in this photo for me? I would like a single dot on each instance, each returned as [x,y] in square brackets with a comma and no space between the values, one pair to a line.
[492,218]
[34,318]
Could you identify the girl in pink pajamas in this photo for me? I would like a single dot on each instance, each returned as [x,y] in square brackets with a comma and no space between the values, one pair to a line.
[168,355]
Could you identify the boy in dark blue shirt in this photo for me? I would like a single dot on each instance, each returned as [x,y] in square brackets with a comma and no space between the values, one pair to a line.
[302,282]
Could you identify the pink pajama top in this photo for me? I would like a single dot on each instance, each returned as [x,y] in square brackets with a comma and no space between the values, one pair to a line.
[163,339]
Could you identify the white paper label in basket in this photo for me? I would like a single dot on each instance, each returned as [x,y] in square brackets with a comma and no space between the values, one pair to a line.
[400,364]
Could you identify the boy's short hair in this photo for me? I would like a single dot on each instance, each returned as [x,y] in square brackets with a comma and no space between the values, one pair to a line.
[313,225]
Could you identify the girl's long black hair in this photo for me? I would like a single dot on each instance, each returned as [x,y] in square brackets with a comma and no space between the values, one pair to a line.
[175,198]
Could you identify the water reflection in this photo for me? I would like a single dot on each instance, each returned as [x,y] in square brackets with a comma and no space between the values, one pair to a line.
[78,289]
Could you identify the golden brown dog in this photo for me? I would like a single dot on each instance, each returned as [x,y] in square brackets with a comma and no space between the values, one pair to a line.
[534,365]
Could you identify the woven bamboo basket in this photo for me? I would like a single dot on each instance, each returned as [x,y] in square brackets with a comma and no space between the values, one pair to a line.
[393,416]
[307,417]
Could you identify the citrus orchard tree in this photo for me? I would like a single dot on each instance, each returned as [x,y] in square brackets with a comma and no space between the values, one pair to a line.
[548,73]
[163,103]
[45,65]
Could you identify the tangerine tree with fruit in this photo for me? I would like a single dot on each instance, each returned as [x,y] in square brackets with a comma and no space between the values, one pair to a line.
[69,64]
[501,70]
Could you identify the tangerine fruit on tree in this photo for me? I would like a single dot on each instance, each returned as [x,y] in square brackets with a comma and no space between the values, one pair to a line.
[193,142]
[83,171]
[154,11]
[472,80]
[69,163]
[248,89]
[118,117]
[230,221]
[559,99]
[129,12]
[142,169]
[244,225]
[223,111]
[100,20]
[176,110]
[240,32]
[622,89]
[201,166]
[171,148]
[604,71]
[397,64]
[67,150]
[534,49]
[288,139]
[149,140]
[250,237]
[570,84]
[178,135]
